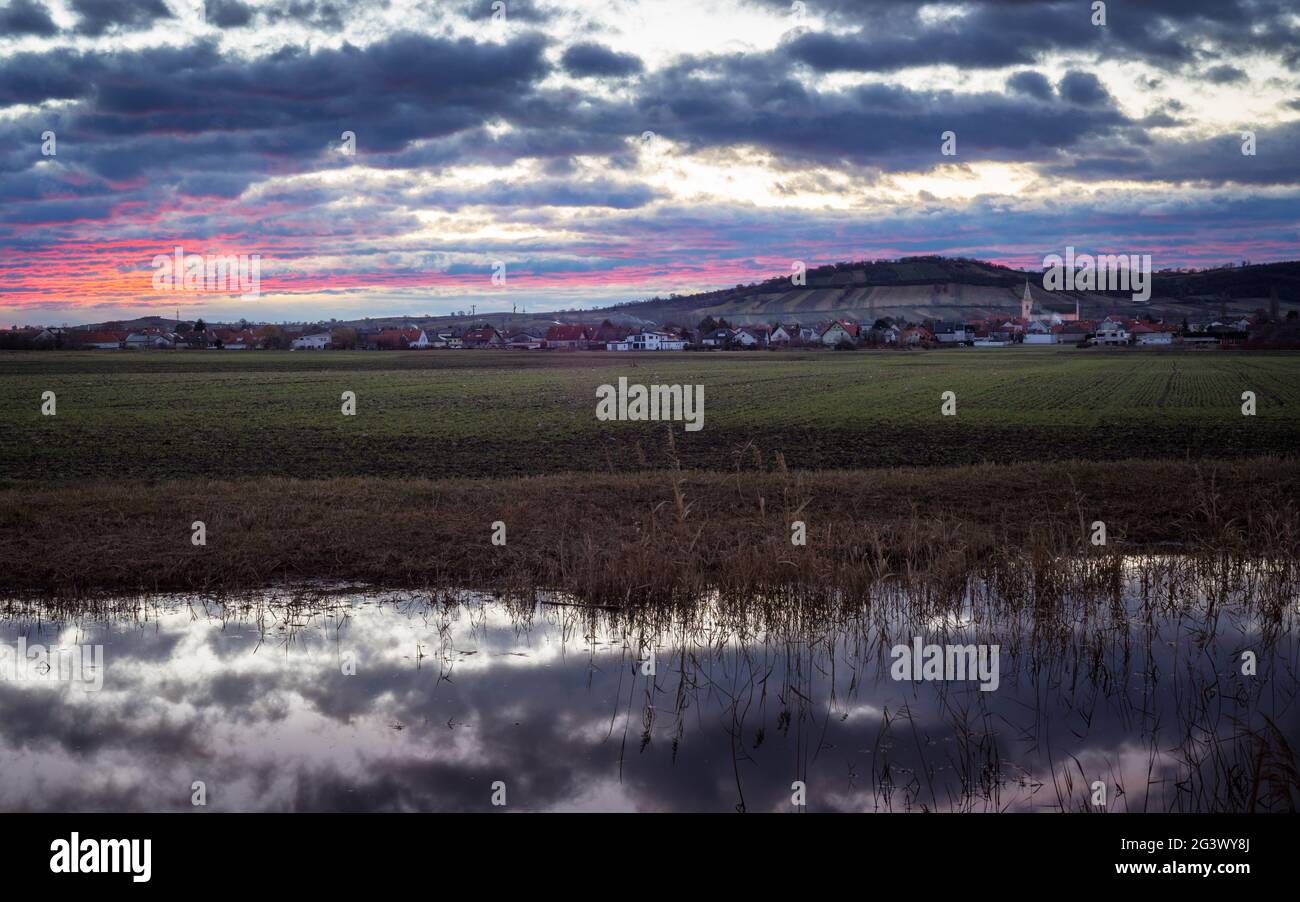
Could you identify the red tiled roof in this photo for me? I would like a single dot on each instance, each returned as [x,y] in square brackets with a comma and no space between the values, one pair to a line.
[230,336]
[851,328]
[392,338]
[611,333]
[100,338]
[567,333]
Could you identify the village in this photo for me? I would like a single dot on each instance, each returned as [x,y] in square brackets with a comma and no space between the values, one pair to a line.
[1026,327]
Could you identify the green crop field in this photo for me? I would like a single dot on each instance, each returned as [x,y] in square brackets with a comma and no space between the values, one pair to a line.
[433,414]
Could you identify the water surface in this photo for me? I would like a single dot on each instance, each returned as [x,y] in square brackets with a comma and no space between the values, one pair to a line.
[360,701]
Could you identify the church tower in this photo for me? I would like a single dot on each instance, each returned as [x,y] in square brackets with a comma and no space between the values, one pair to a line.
[1026,303]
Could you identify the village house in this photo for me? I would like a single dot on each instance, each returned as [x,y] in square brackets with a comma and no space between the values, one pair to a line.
[483,337]
[1111,332]
[991,334]
[837,332]
[386,339]
[751,336]
[1039,332]
[100,341]
[150,339]
[599,337]
[1072,332]
[784,334]
[563,337]
[718,338]
[524,341]
[318,341]
[53,337]
[237,339]
[952,334]
[1152,335]
[195,340]
[649,340]
[438,339]
[915,335]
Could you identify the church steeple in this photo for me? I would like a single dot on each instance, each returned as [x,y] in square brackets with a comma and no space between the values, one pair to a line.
[1026,303]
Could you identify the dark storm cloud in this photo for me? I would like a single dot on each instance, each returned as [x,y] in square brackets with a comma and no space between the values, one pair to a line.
[60,74]
[98,16]
[868,51]
[1212,161]
[166,123]
[886,126]
[1083,88]
[1035,84]
[290,104]
[328,15]
[595,60]
[20,17]
[228,13]
[1225,74]
[1167,33]
[423,101]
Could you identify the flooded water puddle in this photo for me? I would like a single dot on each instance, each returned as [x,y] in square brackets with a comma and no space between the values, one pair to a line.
[1166,685]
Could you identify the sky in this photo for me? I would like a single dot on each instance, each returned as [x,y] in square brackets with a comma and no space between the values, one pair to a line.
[382,157]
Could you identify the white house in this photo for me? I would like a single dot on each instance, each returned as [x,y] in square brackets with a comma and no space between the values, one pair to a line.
[783,335]
[317,342]
[434,339]
[1149,337]
[1039,333]
[1111,333]
[952,333]
[139,340]
[648,341]
[836,333]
